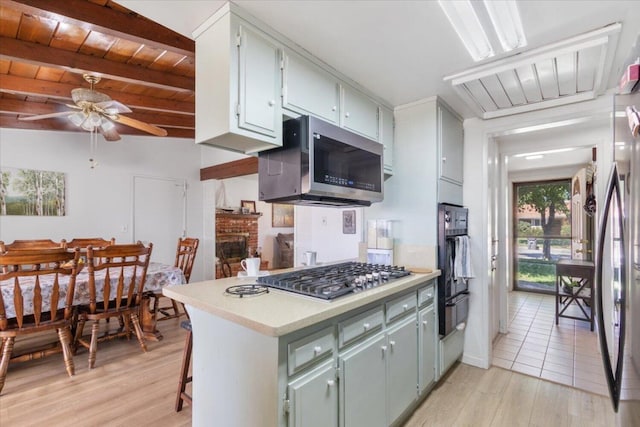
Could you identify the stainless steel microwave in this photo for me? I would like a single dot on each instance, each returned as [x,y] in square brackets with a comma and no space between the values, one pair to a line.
[321,164]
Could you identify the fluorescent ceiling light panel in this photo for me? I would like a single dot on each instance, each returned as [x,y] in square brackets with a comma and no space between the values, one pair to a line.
[557,150]
[537,156]
[506,21]
[467,25]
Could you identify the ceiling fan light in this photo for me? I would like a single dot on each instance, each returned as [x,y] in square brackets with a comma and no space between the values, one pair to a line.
[77,118]
[106,125]
[94,119]
[87,126]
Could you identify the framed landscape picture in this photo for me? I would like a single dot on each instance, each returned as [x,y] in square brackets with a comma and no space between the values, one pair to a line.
[32,192]
[281,215]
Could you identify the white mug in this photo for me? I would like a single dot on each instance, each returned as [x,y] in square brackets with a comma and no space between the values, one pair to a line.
[251,266]
[310,257]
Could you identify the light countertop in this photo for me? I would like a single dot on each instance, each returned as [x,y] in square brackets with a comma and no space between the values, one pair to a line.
[278,312]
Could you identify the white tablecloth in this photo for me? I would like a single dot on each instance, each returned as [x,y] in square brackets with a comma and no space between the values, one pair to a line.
[158,276]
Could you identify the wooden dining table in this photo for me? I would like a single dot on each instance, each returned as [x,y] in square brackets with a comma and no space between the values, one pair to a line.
[158,276]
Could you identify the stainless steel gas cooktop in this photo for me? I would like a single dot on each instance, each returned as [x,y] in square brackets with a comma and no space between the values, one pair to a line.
[332,281]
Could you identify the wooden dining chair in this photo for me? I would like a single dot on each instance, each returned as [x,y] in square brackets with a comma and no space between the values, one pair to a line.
[38,281]
[96,242]
[33,244]
[116,282]
[185,256]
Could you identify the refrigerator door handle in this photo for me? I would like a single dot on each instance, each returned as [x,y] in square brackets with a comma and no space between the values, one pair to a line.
[612,373]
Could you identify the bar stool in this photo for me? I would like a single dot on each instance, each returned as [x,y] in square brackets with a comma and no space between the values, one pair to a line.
[184,371]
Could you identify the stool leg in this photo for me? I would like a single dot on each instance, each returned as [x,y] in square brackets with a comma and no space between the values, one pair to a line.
[184,371]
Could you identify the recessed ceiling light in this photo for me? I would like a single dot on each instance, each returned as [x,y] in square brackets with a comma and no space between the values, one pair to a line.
[557,150]
[506,21]
[465,22]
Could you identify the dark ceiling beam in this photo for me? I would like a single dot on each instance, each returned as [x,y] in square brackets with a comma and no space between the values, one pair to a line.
[62,91]
[14,106]
[64,125]
[37,54]
[232,169]
[105,20]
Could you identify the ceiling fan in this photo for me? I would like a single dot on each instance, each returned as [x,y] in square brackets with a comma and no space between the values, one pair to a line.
[95,111]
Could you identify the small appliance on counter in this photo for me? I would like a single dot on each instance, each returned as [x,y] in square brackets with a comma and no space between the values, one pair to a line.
[380,242]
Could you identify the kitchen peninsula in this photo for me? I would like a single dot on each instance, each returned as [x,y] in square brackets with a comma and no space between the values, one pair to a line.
[282,359]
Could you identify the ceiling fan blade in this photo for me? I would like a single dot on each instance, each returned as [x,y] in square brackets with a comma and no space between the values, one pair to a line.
[110,135]
[154,130]
[112,107]
[46,116]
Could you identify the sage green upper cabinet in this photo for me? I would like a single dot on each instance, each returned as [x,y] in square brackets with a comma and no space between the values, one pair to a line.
[307,89]
[386,136]
[451,140]
[238,83]
[259,85]
[359,113]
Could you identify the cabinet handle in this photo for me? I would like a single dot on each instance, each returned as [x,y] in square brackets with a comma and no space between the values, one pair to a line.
[334,108]
[392,343]
[366,326]
[444,159]
[346,115]
[331,383]
[405,307]
[272,103]
[383,348]
[317,349]
[425,323]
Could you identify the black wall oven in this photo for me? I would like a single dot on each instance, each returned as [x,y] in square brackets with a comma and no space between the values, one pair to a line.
[453,292]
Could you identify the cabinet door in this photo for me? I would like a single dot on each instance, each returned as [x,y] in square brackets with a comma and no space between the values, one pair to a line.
[386,136]
[259,85]
[451,140]
[363,385]
[359,113]
[402,379]
[427,342]
[307,89]
[313,398]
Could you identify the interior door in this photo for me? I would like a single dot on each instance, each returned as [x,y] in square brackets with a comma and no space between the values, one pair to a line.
[159,214]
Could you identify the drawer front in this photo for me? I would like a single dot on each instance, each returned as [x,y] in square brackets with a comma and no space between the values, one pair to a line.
[309,349]
[425,295]
[400,306]
[358,326]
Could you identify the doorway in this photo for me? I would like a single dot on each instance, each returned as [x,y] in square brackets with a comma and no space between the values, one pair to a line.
[159,214]
[542,232]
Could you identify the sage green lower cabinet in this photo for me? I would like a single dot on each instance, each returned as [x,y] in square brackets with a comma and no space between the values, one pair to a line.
[428,347]
[313,398]
[363,384]
[367,368]
[402,367]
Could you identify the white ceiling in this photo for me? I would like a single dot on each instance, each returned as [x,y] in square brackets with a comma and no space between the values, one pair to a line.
[401,50]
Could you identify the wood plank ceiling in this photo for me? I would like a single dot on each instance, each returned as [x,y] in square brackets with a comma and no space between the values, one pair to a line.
[46,46]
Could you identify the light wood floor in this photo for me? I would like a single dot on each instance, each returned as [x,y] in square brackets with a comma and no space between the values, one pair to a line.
[128,387]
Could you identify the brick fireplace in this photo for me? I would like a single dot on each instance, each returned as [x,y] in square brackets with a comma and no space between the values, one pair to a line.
[236,235]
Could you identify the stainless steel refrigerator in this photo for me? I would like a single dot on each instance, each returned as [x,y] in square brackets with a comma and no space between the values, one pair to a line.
[617,272]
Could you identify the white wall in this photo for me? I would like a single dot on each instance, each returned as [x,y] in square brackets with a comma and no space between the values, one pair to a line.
[99,201]
[319,229]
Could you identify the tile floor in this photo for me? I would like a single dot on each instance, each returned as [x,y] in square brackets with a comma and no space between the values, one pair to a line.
[567,353]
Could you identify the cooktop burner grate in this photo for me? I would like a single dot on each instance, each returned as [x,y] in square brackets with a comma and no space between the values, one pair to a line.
[332,281]
[246,290]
